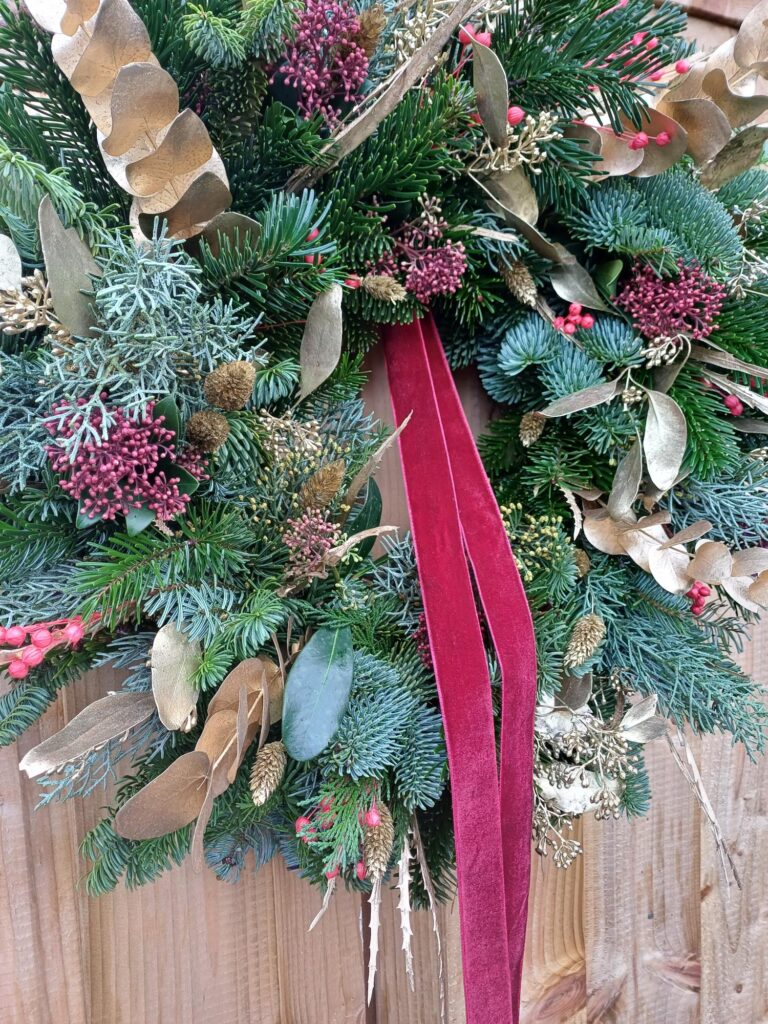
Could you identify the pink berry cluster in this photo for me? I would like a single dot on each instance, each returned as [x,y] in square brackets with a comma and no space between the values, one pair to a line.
[573,320]
[421,637]
[432,265]
[698,594]
[323,62]
[733,405]
[684,306]
[123,471]
[28,645]
[309,537]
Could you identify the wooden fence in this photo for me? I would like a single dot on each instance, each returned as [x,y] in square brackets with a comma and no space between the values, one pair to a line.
[642,930]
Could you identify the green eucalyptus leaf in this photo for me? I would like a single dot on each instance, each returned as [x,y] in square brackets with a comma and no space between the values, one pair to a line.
[167,407]
[367,516]
[607,276]
[83,520]
[138,519]
[317,692]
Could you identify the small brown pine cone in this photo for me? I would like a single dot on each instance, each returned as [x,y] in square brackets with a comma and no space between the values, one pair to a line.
[518,279]
[531,428]
[383,287]
[588,634]
[207,430]
[230,385]
[378,843]
[371,21]
[323,486]
[267,772]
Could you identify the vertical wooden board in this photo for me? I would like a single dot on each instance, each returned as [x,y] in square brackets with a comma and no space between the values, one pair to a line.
[735,922]
[554,979]
[641,919]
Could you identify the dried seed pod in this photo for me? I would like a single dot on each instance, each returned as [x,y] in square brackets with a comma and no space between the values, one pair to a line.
[323,486]
[588,634]
[230,385]
[383,287]
[531,428]
[267,772]
[371,21]
[583,564]
[207,430]
[517,277]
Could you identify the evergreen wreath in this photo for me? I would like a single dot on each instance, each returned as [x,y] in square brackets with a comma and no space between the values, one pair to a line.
[188,470]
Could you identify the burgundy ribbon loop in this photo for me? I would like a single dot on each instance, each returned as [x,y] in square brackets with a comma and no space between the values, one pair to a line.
[455,518]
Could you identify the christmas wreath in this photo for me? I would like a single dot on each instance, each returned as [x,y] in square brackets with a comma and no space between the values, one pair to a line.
[210,213]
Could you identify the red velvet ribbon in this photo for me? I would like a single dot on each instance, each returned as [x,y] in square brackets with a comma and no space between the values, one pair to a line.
[456,523]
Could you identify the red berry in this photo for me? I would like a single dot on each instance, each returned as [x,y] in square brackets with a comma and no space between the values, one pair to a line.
[73,632]
[575,320]
[569,328]
[301,824]
[640,141]
[332,874]
[738,410]
[652,44]
[32,656]
[372,818]
[313,258]
[313,234]
[587,321]
[731,401]
[575,309]
[656,76]
[467,35]
[638,37]
[475,116]
[484,38]
[558,323]
[704,590]
[353,282]
[682,67]
[663,139]
[15,636]
[42,638]
[697,609]
[326,803]
[515,115]
[360,870]
[17,669]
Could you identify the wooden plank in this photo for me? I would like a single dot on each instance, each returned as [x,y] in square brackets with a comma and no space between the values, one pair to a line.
[734,923]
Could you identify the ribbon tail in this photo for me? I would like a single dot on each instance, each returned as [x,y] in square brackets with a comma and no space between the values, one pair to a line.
[462,678]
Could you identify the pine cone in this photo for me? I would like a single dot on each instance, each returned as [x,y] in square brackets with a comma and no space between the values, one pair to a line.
[267,772]
[207,430]
[323,486]
[378,843]
[230,385]
[581,558]
[531,428]
[383,287]
[371,21]
[588,634]
[518,279]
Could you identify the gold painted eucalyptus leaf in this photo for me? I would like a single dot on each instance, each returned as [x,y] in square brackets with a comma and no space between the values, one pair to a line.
[77,13]
[170,801]
[626,483]
[705,124]
[588,398]
[712,562]
[693,532]
[513,193]
[739,155]
[665,439]
[10,265]
[750,561]
[144,100]
[321,343]
[491,92]
[670,567]
[602,532]
[103,720]
[70,269]
[572,282]
[202,201]
[165,174]
[118,37]
[750,48]
[740,109]
[174,661]
[738,588]
[364,474]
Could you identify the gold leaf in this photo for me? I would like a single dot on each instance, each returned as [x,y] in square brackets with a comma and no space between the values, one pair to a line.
[588,398]
[248,673]
[602,532]
[323,486]
[739,155]
[670,568]
[738,108]
[616,158]
[276,687]
[164,175]
[726,361]
[69,267]
[207,196]
[660,517]
[491,92]
[170,801]
[750,561]
[693,532]
[47,13]
[235,227]
[174,661]
[665,439]
[652,729]
[712,562]
[572,282]
[118,37]
[704,122]
[626,483]
[10,265]
[640,542]
[758,591]
[514,193]
[95,725]
[750,48]
[362,476]
[575,691]
[641,712]
[738,588]
[657,159]
[218,741]
[77,13]
[321,343]
[144,100]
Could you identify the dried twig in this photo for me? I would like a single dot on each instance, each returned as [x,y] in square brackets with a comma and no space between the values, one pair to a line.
[404,906]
